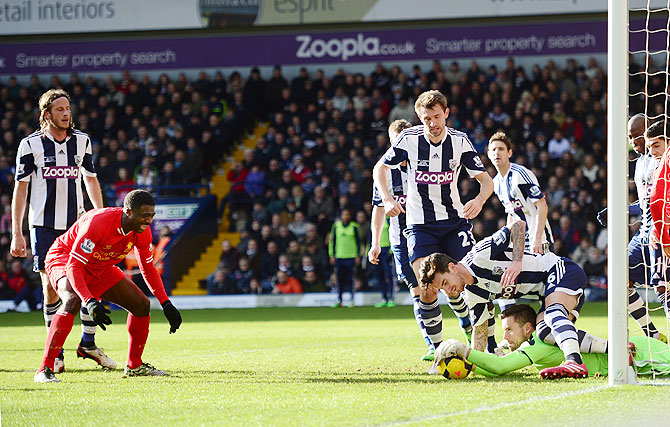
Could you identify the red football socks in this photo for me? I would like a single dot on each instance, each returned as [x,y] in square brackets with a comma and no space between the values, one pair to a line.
[138,328]
[60,328]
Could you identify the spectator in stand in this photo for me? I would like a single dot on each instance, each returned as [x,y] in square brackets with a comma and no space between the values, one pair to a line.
[558,145]
[311,282]
[221,283]
[285,284]
[229,256]
[243,276]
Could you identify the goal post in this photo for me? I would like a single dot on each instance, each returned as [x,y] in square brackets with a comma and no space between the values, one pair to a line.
[617,191]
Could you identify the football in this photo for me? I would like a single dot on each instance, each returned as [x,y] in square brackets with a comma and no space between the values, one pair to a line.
[454,368]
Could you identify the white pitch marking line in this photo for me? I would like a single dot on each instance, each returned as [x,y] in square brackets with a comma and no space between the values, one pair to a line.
[494,407]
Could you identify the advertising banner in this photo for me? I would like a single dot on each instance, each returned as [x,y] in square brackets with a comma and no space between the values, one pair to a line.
[174,215]
[305,48]
[76,16]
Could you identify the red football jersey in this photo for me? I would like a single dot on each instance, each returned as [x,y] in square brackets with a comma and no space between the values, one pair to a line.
[97,242]
[659,202]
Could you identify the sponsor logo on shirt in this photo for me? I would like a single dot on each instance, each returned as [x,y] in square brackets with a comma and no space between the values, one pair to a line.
[512,205]
[508,291]
[438,178]
[87,246]
[400,198]
[55,172]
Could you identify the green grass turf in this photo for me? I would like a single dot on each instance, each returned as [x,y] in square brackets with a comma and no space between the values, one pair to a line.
[301,366]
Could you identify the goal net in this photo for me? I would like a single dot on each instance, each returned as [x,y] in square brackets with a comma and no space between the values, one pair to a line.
[648,62]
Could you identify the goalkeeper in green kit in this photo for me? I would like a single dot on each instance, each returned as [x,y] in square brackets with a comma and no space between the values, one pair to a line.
[648,355]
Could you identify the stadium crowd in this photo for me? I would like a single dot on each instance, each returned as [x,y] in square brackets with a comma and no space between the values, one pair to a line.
[324,136]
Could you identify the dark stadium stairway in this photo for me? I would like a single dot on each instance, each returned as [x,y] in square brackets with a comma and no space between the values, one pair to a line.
[209,259]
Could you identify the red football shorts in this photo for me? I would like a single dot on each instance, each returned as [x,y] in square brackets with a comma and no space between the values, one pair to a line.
[98,282]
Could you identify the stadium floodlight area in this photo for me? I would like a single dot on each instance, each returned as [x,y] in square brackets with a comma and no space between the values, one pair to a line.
[640,86]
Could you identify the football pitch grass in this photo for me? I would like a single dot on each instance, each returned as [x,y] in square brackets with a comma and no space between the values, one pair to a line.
[298,366]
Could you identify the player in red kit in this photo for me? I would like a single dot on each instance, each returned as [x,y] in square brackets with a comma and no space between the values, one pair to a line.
[81,265]
[659,202]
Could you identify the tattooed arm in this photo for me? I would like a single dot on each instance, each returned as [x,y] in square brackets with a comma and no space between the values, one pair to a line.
[518,237]
[480,335]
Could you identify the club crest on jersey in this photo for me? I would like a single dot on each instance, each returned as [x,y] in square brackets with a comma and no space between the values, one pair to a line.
[452,164]
[438,178]
[497,270]
[55,172]
[77,160]
[87,246]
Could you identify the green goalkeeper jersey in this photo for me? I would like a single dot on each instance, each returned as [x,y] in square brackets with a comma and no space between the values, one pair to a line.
[652,356]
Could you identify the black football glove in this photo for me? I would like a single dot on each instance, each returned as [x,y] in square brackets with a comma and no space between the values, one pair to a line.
[172,315]
[98,313]
[602,217]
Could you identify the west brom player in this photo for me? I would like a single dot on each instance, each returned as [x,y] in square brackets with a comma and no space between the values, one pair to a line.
[82,267]
[493,270]
[643,261]
[52,162]
[404,273]
[437,221]
[520,194]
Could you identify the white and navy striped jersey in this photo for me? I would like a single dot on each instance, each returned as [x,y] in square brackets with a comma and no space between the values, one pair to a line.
[397,179]
[54,171]
[518,190]
[644,179]
[489,259]
[432,172]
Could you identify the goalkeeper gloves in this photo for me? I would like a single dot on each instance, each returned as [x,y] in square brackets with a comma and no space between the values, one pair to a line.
[98,313]
[172,315]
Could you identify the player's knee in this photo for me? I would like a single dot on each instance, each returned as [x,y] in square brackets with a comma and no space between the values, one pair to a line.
[71,303]
[142,307]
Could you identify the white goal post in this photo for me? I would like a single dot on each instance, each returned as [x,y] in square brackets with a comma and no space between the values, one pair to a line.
[617,197]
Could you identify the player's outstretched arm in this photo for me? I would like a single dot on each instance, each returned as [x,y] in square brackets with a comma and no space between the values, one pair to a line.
[155,283]
[492,364]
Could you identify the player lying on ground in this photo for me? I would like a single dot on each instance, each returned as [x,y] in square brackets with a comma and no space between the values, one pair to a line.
[82,267]
[649,355]
[493,270]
